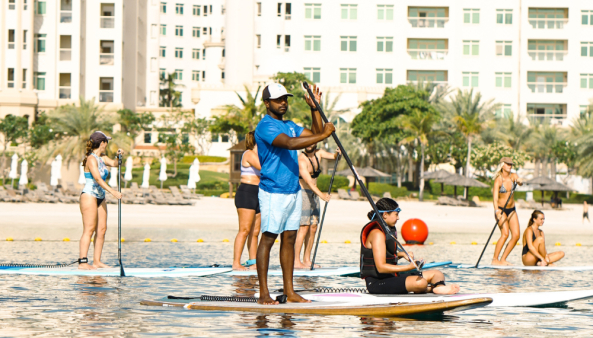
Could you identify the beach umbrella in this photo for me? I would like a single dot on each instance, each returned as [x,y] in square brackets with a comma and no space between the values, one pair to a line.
[145,176]
[59,167]
[436,175]
[538,181]
[163,173]
[191,181]
[554,187]
[24,168]
[365,172]
[128,174]
[113,178]
[13,165]
[53,179]
[457,180]
[81,178]
[196,165]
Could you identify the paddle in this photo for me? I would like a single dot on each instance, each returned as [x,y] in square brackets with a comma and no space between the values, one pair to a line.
[331,182]
[363,188]
[496,224]
[121,266]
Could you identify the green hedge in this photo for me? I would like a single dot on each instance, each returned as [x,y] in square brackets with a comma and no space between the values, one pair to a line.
[340,182]
[203,158]
[378,189]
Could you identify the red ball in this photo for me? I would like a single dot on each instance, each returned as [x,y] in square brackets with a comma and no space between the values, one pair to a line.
[414,231]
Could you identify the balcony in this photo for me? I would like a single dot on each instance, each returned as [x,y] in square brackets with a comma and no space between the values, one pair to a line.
[547,55]
[65,93]
[65,16]
[548,18]
[551,112]
[106,59]
[556,23]
[107,22]
[105,96]
[427,22]
[425,54]
[540,87]
[547,82]
[65,54]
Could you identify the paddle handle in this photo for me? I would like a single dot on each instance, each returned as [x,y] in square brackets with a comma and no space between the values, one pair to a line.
[496,224]
[121,267]
[331,182]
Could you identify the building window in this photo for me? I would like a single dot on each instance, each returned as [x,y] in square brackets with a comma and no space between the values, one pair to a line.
[205,31]
[587,49]
[384,44]
[587,17]
[349,12]
[205,10]
[547,50]
[164,7]
[163,29]
[203,75]
[258,40]
[313,11]
[24,78]
[195,32]
[163,73]
[105,89]
[428,76]
[147,137]
[258,8]
[179,9]
[288,11]
[40,9]
[25,5]
[548,18]
[24,39]
[428,49]
[504,16]
[153,64]
[348,75]
[11,38]
[178,30]
[504,48]
[178,75]
[542,111]
[107,56]
[385,12]
[10,83]
[587,81]
[504,111]
[163,51]
[313,74]
[66,11]
[470,79]
[203,56]
[195,75]
[503,80]
[40,43]
[427,17]
[195,54]
[65,47]
[471,16]
[471,47]
[287,43]
[546,82]
[384,76]
[39,80]
[179,53]
[197,9]
[313,43]
[107,19]
[348,43]
[11,4]
[65,84]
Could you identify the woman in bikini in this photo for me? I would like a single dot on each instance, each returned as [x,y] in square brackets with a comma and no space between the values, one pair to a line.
[247,204]
[379,256]
[534,244]
[92,199]
[506,216]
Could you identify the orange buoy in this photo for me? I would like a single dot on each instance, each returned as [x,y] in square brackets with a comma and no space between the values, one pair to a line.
[414,231]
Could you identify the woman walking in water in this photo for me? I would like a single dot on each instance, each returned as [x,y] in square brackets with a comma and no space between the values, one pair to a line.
[534,244]
[92,199]
[505,215]
[247,204]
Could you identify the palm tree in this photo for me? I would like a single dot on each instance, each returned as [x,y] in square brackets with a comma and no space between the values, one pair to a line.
[544,138]
[170,97]
[431,92]
[240,119]
[581,134]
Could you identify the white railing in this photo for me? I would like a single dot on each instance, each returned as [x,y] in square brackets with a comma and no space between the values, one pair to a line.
[438,83]
[107,22]
[105,96]
[65,92]
[65,54]
[287,49]
[11,45]
[106,59]
[554,119]
[428,54]
[546,87]
[287,17]
[65,17]
[547,55]
[428,22]
[545,23]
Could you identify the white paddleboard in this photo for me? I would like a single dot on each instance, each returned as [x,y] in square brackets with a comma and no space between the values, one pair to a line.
[321,272]
[519,267]
[554,298]
[114,272]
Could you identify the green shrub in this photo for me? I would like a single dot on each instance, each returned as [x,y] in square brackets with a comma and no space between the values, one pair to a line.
[203,158]
[379,189]
[340,182]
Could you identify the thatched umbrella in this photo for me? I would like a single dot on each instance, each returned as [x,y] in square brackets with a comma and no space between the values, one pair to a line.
[365,172]
[540,181]
[463,181]
[555,187]
[438,175]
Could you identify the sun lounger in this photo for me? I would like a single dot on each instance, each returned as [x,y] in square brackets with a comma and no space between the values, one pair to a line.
[179,197]
[9,195]
[40,196]
[71,190]
[178,194]
[131,198]
[186,190]
[31,196]
[344,195]
[356,196]
[62,197]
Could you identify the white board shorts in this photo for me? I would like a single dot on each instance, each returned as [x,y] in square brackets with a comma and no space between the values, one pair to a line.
[280,212]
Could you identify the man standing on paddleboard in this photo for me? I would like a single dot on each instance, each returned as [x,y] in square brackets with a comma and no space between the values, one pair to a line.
[280,196]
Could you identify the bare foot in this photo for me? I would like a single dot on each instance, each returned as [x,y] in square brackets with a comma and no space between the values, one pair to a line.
[299,265]
[100,265]
[239,267]
[86,266]
[496,262]
[450,289]
[295,298]
[551,264]
[505,263]
[308,264]
[267,301]
[253,267]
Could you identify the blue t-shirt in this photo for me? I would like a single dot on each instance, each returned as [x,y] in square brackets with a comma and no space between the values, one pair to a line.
[279,166]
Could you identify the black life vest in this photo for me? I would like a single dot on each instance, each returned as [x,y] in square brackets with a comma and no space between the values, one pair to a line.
[367,261]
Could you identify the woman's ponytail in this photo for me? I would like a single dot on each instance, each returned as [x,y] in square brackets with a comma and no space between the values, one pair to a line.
[87,152]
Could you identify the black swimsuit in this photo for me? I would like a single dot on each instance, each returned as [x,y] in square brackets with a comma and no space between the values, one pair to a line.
[525,247]
[316,172]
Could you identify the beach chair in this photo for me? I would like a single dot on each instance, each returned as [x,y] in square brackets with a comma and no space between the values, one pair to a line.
[475,202]
[131,198]
[186,190]
[71,190]
[42,197]
[9,195]
[178,194]
[31,196]
[344,195]
[177,200]
[356,196]
[62,197]
[135,189]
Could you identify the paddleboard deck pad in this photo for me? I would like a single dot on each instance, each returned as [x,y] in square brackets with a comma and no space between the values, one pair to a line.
[519,267]
[333,308]
[114,272]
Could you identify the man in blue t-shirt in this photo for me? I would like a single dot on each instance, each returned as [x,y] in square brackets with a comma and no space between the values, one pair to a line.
[280,197]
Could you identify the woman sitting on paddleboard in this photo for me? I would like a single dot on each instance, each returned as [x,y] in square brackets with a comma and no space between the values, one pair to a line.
[92,199]
[379,255]
[505,213]
[534,243]
[247,204]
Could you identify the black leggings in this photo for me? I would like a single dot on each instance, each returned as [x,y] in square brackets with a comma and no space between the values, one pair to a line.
[395,285]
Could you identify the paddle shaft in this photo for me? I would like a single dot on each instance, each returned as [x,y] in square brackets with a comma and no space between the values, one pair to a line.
[331,182]
[121,266]
[496,224]
[363,188]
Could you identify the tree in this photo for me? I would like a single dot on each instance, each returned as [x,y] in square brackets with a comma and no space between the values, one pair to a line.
[41,132]
[487,157]
[13,128]
[240,120]
[544,138]
[198,128]
[132,123]
[175,137]
[169,96]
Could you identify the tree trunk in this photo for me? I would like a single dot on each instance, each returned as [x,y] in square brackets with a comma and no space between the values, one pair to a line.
[399,168]
[469,151]
[421,194]
[553,169]
[175,167]
[410,165]
[545,167]
[536,172]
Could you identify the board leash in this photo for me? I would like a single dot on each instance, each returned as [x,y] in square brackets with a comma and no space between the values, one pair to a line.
[209,298]
[356,177]
[39,266]
[331,182]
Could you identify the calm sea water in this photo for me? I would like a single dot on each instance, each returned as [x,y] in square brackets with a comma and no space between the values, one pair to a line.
[50,306]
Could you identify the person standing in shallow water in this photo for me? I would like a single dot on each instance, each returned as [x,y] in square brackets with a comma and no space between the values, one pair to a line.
[585,212]
[506,217]
[280,196]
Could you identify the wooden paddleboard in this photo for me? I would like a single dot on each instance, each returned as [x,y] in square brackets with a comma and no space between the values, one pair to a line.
[334,308]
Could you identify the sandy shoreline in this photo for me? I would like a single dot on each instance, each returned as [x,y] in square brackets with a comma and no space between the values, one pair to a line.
[214,219]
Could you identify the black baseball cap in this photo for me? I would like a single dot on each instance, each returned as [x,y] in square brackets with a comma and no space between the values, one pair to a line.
[99,136]
[274,91]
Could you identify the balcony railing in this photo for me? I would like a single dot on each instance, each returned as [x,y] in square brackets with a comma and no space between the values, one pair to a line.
[438,83]
[65,17]
[428,22]
[11,45]
[65,92]
[554,119]
[287,17]
[107,22]
[428,54]
[106,59]
[543,87]
[287,49]
[548,55]
[545,23]
[106,96]
[65,54]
